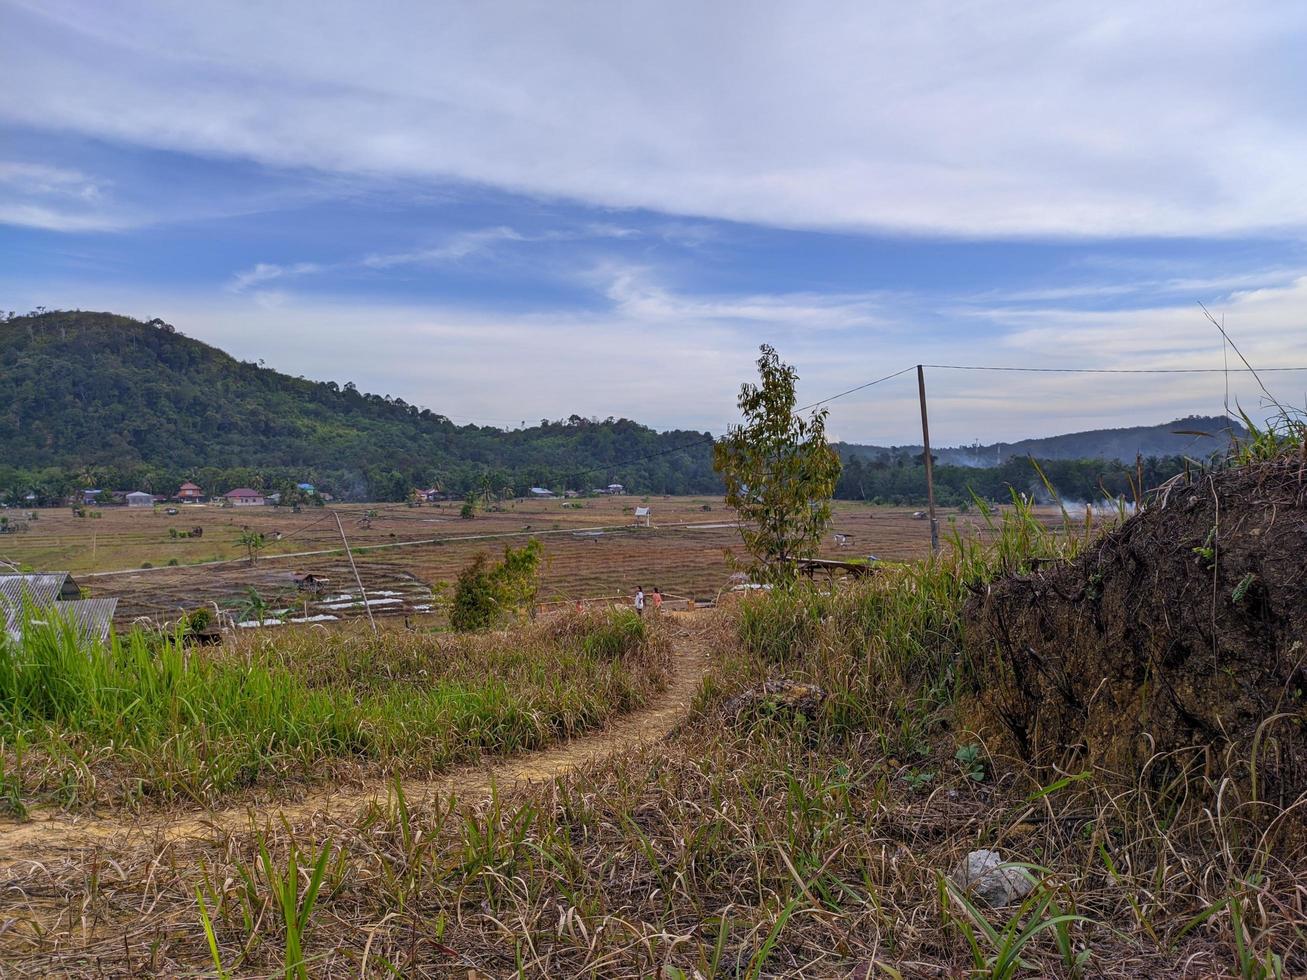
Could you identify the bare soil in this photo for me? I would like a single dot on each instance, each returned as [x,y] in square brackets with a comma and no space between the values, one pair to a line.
[1178,638]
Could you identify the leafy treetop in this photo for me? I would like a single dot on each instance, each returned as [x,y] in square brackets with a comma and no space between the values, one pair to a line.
[779,471]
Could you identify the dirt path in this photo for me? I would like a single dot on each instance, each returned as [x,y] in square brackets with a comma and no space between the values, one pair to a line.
[61,835]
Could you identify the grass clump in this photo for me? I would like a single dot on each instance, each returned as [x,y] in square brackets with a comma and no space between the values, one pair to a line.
[182,722]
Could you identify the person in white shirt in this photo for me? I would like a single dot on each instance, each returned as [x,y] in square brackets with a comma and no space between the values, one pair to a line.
[639,600]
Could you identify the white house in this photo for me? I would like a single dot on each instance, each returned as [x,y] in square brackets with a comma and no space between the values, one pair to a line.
[642,516]
[541,492]
[244,497]
[139,498]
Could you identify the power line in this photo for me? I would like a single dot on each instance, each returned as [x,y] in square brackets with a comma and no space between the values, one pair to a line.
[888,377]
[609,467]
[1055,370]
[711,439]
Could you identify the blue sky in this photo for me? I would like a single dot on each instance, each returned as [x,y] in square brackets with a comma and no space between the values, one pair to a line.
[508,212]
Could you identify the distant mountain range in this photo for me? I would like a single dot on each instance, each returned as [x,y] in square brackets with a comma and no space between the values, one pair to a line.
[1197,435]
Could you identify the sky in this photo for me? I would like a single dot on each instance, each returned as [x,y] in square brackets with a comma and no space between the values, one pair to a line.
[513,211]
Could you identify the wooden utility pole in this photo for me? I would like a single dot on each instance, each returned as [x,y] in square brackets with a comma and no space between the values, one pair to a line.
[930,466]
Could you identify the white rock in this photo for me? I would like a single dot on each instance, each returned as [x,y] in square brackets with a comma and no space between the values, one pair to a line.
[984,875]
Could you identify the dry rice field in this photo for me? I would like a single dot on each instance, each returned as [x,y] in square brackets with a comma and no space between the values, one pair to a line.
[592,548]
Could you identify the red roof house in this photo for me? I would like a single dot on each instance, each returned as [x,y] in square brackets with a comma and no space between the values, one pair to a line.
[244,497]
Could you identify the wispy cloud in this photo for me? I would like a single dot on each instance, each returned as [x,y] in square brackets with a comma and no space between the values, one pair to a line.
[267,272]
[634,293]
[457,247]
[788,124]
[36,178]
[54,198]
[460,246]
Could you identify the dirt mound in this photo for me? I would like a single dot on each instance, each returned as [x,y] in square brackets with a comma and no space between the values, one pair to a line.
[1184,627]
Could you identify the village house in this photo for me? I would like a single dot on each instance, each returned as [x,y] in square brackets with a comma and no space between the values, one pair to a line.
[244,497]
[542,493]
[139,498]
[189,493]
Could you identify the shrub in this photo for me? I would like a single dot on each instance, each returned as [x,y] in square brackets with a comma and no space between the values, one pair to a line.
[484,594]
[475,604]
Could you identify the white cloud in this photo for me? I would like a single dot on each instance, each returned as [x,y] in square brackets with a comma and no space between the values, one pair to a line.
[992,119]
[459,246]
[267,271]
[634,294]
[677,360]
[37,195]
[37,178]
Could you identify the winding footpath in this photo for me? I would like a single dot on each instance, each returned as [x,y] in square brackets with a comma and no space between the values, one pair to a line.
[56,836]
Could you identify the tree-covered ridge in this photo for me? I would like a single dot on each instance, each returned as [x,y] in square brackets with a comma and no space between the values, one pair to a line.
[1195,436]
[106,400]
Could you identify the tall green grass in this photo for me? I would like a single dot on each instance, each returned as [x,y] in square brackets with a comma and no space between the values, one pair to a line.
[894,641]
[198,723]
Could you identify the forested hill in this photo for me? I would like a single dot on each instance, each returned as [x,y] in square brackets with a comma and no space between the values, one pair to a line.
[1197,436]
[105,400]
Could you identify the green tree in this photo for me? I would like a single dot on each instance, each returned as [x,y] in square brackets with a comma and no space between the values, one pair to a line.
[485,595]
[252,541]
[475,606]
[517,578]
[779,471]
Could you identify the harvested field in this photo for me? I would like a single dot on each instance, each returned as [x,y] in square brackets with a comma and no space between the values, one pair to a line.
[591,550]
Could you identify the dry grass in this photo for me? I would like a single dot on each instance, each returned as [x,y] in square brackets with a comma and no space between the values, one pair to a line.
[779,847]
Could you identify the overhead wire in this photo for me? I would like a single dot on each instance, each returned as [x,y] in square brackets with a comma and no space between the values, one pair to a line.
[707,438]
[1057,370]
[710,438]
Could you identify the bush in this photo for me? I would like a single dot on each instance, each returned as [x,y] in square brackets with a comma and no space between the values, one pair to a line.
[483,595]
[475,604]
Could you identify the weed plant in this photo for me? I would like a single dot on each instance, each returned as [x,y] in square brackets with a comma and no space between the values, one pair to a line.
[167,720]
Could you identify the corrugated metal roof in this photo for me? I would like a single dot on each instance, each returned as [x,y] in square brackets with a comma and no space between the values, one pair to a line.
[40,588]
[93,617]
[45,593]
